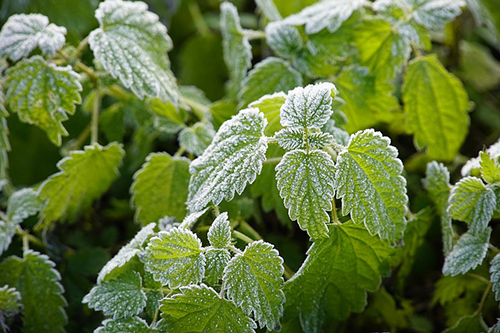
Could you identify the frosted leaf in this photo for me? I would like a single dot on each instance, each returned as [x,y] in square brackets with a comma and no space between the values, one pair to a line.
[468,253]
[120,298]
[308,107]
[201,309]
[305,181]
[23,204]
[126,253]
[192,218]
[131,44]
[219,234]
[22,33]
[4,135]
[368,180]
[328,14]
[10,301]
[474,163]
[84,176]
[217,260]
[233,159]
[175,258]
[472,202]
[319,140]
[290,138]
[284,39]
[495,276]
[269,9]
[490,170]
[43,94]
[126,325]
[269,76]
[436,107]
[495,328]
[254,283]
[236,47]
[197,137]
[7,231]
[270,106]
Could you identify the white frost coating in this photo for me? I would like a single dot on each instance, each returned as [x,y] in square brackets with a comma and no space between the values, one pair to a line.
[125,325]
[217,260]
[495,276]
[324,14]
[474,163]
[305,181]
[219,234]
[283,38]
[308,107]
[23,33]
[197,138]
[290,138]
[468,253]
[127,252]
[23,203]
[368,180]
[131,44]
[233,159]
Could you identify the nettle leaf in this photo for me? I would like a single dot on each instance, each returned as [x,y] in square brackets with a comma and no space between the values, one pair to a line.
[22,204]
[197,137]
[368,180]
[270,106]
[254,283]
[436,106]
[233,159]
[284,39]
[328,14]
[236,47]
[120,298]
[495,276]
[36,279]
[126,253]
[308,107]
[305,181]
[175,258]
[468,253]
[367,100]
[132,44]
[219,234]
[319,140]
[217,260]
[4,138]
[22,33]
[10,300]
[472,202]
[490,170]
[43,94]
[127,325]
[269,9]
[269,76]
[84,177]
[381,49]
[201,309]
[334,279]
[290,138]
[160,188]
[475,163]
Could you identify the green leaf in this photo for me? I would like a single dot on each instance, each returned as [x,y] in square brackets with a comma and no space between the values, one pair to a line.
[23,204]
[290,138]
[22,33]
[468,253]
[219,234]
[367,100]
[160,188]
[269,9]
[175,258]
[127,325]
[233,159]
[308,107]
[324,14]
[285,40]
[200,309]
[167,113]
[153,301]
[10,300]
[436,107]
[197,137]
[269,76]
[381,49]
[120,298]
[490,170]
[7,231]
[236,47]
[132,44]
[270,106]
[217,260]
[368,180]
[254,283]
[472,323]
[495,276]
[475,163]
[31,93]
[84,177]
[472,202]
[126,253]
[336,275]
[4,138]
[305,181]
[36,279]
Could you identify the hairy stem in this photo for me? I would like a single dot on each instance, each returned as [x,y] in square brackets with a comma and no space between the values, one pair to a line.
[273,160]
[94,131]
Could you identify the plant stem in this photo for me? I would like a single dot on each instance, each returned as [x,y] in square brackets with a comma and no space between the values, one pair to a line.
[80,66]
[242,236]
[155,317]
[79,49]
[198,19]
[248,228]
[273,160]
[94,131]
[479,277]
[27,237]
[216,210]
[483,298]
[493,248]
[254,34]
[180,151]
[335,218]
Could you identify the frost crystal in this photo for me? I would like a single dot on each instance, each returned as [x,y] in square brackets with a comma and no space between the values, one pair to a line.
[22,33]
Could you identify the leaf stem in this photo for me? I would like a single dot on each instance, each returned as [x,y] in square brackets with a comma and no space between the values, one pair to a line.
[198,19]
[79,49]
[479,277]
[248,228]
[216,210]
[483,298]
[155,317]
[94,131]
[273,160]
[180,151]
[493,248]
[27,237]
[80,66]
[335,218]
[242,236]
[254,34]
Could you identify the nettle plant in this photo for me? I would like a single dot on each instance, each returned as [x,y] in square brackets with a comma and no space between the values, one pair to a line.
[296,127]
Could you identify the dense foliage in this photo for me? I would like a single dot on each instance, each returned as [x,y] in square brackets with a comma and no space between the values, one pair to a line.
[293,166]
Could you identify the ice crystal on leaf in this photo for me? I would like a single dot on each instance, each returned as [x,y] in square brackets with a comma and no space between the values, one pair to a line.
[219,234]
